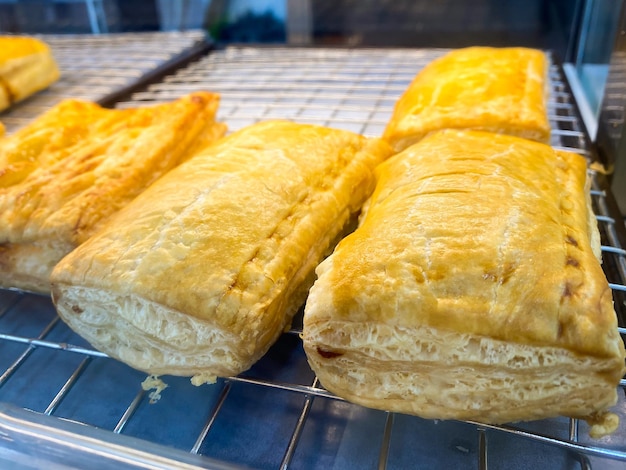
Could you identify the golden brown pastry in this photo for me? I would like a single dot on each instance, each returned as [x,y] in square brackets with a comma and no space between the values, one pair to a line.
[26,66]
[471,289]
[66,173]
[200,274]
[501,90]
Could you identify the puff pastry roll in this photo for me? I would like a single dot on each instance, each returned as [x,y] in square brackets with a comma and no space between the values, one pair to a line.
[26,66]
[501,90]
[67,172]
[471,289]
[200,274]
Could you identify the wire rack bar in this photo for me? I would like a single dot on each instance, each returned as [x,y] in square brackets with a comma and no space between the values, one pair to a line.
[297,432]
[573,430]
[66,387]
[386,442]
[128,413]
[27,352]
[52,345]
[318,392]
[207,427]
[576,447]
[613,249]
[482,449]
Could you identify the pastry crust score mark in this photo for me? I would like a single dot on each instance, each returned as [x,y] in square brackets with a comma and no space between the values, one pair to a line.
[529,361]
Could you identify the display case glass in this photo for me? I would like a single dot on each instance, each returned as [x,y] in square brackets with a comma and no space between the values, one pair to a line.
[589,68]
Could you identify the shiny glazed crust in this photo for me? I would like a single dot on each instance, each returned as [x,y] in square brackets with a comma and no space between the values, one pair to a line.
[501,90]
[472,288]
[201,273]
[66,173]
[26,66]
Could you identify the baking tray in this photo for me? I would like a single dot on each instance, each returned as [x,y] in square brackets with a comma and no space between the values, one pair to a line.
[67,405]
[106,68]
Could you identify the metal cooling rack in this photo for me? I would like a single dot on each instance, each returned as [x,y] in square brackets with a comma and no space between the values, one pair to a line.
[78,406]
[95,67]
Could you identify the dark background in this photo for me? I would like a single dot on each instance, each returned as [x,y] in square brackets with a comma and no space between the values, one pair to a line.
[417,23]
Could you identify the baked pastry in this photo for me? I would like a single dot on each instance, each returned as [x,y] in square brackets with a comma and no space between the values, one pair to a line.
[202,272]
[471,289]
[501,90]
[67,172]
[26,66]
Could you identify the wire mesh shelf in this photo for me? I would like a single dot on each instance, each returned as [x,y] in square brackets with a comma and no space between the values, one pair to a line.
[94,67]
[82,405]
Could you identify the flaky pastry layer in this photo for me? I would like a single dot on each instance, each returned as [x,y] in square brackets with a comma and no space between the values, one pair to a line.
[65,174]
[438,374]
[202,272]
[148,335]
[500,90]
[472,288]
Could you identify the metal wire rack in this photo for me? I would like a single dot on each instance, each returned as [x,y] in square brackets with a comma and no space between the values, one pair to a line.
[95,67]
[76,405]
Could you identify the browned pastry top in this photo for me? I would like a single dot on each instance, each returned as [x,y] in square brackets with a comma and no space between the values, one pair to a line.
[501,90]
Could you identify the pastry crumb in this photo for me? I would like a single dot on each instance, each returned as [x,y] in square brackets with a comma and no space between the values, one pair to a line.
[154,383]
[602,424]
[201,379]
